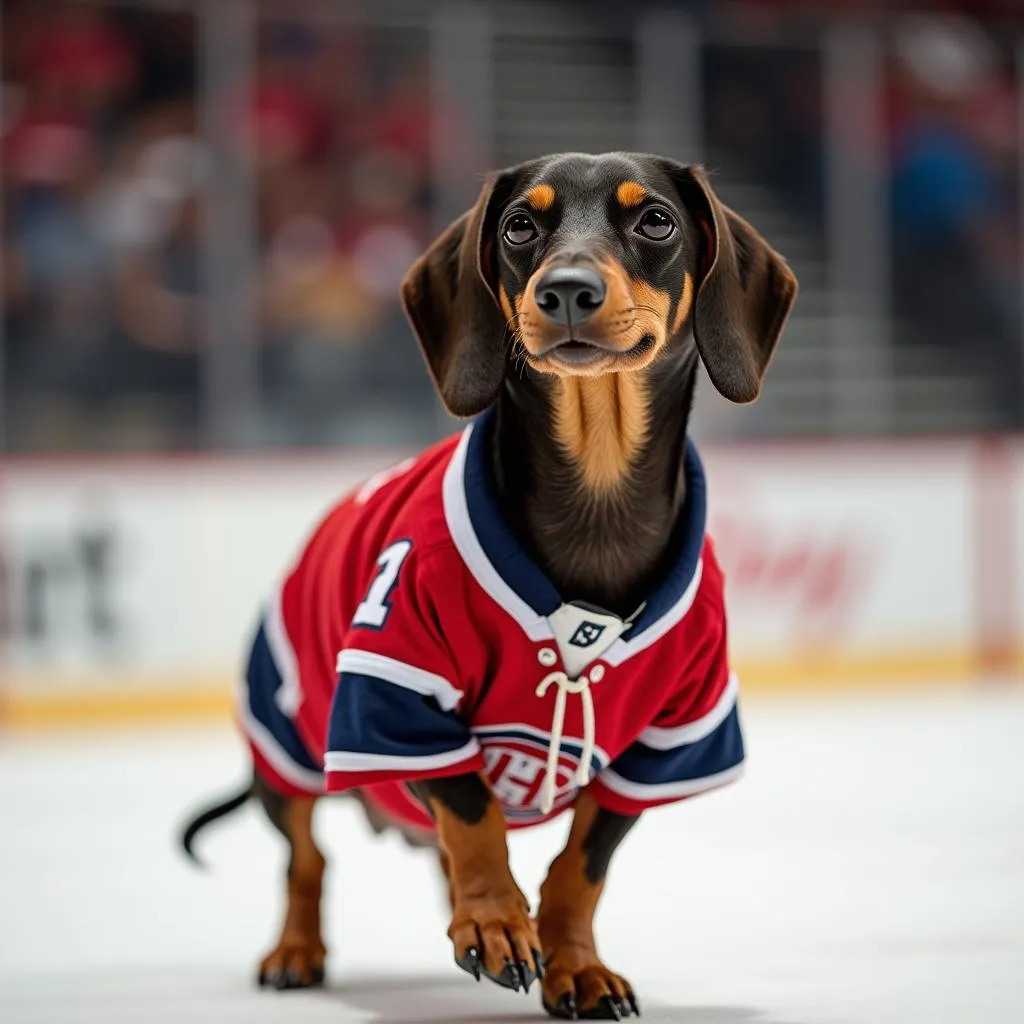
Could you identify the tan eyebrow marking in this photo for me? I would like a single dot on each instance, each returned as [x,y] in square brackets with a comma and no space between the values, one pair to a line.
[541,197]
[685,302]
[631,193]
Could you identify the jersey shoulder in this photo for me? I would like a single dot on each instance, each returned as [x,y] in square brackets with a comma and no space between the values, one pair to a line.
[702,628]
[406,501]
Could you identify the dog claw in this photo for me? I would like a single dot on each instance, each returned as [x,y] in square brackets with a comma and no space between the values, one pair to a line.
[526,976]
[608,1008]
[565,1008]
[538,962]
[509,977]
[633,1004]
[470,962]
[529,975]
[285,981]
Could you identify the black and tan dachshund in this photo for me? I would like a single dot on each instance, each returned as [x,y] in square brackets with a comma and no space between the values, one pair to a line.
[567,310]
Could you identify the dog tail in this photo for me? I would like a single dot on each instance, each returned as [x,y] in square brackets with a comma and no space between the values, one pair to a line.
[210,815]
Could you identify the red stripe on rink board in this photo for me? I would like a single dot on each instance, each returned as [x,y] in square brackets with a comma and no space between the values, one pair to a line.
[995,557]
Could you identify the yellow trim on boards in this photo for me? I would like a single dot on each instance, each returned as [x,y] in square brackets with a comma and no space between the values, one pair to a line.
[859,672]
[32,703]
[134,701]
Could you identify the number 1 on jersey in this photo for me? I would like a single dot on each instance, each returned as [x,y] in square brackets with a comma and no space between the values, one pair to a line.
[373,609]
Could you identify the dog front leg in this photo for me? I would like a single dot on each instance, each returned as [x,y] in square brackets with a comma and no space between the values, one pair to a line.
[491,929]
[576,983]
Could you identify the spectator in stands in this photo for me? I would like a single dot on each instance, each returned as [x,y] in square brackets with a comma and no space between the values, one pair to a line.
[953,203]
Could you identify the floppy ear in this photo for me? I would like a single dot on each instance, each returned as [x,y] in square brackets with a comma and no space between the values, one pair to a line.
[745,295]
[449,297]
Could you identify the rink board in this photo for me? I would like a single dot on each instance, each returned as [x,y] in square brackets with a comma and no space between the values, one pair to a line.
[129,586]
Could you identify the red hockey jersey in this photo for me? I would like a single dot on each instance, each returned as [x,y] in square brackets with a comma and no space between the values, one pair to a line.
[414,638]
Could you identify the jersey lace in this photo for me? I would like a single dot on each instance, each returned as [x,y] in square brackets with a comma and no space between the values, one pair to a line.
[565,687]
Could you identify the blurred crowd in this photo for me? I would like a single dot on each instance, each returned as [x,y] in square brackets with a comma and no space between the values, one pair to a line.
[956,212]
[950,96]
[104,169]
[104,173]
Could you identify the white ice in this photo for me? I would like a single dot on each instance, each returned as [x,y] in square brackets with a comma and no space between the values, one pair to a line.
[868,870]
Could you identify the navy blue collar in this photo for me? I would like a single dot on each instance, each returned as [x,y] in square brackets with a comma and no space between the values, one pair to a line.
[525,578]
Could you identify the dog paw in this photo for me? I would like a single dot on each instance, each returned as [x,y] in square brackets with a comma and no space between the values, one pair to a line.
[495,937]
[293,964]
[577,986]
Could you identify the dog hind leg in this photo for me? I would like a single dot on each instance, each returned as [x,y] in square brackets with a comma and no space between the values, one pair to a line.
[297,961]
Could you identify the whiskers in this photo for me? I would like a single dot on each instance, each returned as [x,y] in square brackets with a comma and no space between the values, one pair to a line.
[627,318]
[514,346]
[646,309]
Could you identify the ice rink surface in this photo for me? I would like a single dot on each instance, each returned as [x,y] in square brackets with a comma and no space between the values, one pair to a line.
[868,870]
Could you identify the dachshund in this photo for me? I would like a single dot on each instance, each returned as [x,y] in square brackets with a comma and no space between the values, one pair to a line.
[528,618]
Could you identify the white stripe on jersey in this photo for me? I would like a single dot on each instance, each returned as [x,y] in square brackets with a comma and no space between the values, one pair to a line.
[659,738]
[623,649]
[348,761]
[289,694]
[277,757]
[390,670]
[667,790]
[456,513]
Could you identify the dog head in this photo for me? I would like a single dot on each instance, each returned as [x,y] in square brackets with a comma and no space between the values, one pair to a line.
[587,265]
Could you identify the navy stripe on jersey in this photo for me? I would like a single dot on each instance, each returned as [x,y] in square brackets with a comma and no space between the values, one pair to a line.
[272,731]
[372,716]
[643,769]
[503,551]
[525,577]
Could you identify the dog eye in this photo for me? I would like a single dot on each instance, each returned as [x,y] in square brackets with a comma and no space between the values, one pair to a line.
[656,224]
[519,229]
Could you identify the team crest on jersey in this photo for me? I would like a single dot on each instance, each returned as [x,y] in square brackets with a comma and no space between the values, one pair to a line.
[587,634]
[516,764]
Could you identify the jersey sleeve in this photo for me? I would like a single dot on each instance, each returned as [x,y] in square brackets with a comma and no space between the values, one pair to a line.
[395,711]
[695,743]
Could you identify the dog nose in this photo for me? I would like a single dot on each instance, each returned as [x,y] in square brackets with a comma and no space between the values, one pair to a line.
[570,295]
